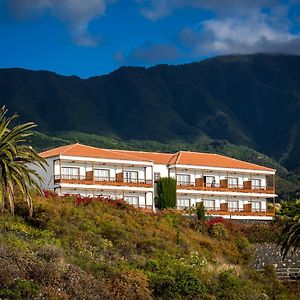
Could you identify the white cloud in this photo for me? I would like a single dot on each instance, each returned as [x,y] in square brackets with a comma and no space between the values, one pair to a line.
[156,9]
[76,13]
[248,34]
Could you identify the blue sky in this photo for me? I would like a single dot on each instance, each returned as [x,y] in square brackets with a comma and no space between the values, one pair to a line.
[94,37]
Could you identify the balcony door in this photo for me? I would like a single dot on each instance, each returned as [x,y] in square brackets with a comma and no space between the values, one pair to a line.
[256,184]
[131,176]
[183,179]
[256,206]
[70,173]
[101,174]
[209,181]
[209,204]
[233,205]
[132,200]
[183,203]
[233,183]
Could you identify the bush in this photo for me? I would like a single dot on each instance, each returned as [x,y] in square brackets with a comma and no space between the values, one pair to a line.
[219,232]
[201,212]
[20,289]
[229,286]
[166,193]
[177,280]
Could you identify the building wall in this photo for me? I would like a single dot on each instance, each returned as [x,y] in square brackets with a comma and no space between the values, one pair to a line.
[219,175]
[146,195]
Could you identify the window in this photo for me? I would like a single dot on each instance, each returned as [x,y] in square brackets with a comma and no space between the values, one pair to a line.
[132,200]
[233,206]
[256,206]
[130,176]
[233,183]
[256,184]
[156,176]
[210,181]
[183,179]
[209,204]
[101,174]
[70,172]
[183,203]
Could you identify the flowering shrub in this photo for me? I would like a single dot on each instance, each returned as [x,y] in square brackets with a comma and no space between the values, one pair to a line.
[49,194]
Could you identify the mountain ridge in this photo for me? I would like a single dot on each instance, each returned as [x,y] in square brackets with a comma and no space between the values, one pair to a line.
[250,100]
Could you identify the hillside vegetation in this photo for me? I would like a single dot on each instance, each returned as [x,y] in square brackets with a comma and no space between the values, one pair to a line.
[77,248]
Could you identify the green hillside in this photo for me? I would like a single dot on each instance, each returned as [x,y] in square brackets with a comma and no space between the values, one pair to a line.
[101,249]
[250,100]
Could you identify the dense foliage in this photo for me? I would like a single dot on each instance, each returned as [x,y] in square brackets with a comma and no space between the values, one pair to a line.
[289,220]
[83,248]
[166,192]
[15,173]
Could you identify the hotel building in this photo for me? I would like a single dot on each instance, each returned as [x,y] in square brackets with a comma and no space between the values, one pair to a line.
[228,187]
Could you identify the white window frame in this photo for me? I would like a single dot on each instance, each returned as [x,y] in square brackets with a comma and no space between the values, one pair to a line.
[233,182]
[254,184]
[129,178]
[210,181]
[183,179]
[102,177]
[256,206]
[68,172]
[233,206]
[183,203]
[209,204]
[132,200]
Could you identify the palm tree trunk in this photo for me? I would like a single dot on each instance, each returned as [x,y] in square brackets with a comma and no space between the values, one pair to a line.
[10,196]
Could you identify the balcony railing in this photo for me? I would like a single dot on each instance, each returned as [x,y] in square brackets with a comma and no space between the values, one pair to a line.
[102,180]
[224,186]
[239,211]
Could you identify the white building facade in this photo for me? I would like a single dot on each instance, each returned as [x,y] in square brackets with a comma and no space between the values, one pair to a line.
[228,187]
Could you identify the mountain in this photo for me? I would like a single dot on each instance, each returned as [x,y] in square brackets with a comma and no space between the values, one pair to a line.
[248,100]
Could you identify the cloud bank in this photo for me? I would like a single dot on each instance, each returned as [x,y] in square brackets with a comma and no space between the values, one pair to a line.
[77,14]
[238,26]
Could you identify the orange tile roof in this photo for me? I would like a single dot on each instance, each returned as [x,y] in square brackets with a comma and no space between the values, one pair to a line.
[181,157]
[156,157]
[89,151]
[213,160]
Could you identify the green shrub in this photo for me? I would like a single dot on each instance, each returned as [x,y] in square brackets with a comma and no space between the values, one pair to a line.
[177,280]
[229,286]
[244,247]
[219,231]
[20,289]
[166,193]
[201,211]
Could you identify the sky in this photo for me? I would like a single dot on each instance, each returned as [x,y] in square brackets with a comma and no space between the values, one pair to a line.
[95,37]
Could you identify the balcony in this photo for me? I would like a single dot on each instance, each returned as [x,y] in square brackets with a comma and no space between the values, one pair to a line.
[96,180]
[247,210]
[224,186]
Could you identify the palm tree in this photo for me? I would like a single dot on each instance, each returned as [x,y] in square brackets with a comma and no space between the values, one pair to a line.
[290,223]
[15,157]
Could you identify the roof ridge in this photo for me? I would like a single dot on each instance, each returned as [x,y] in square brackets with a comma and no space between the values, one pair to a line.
[196,152]
[140,151]
[128,155]
[178,157]
[66,147]
[69,148]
